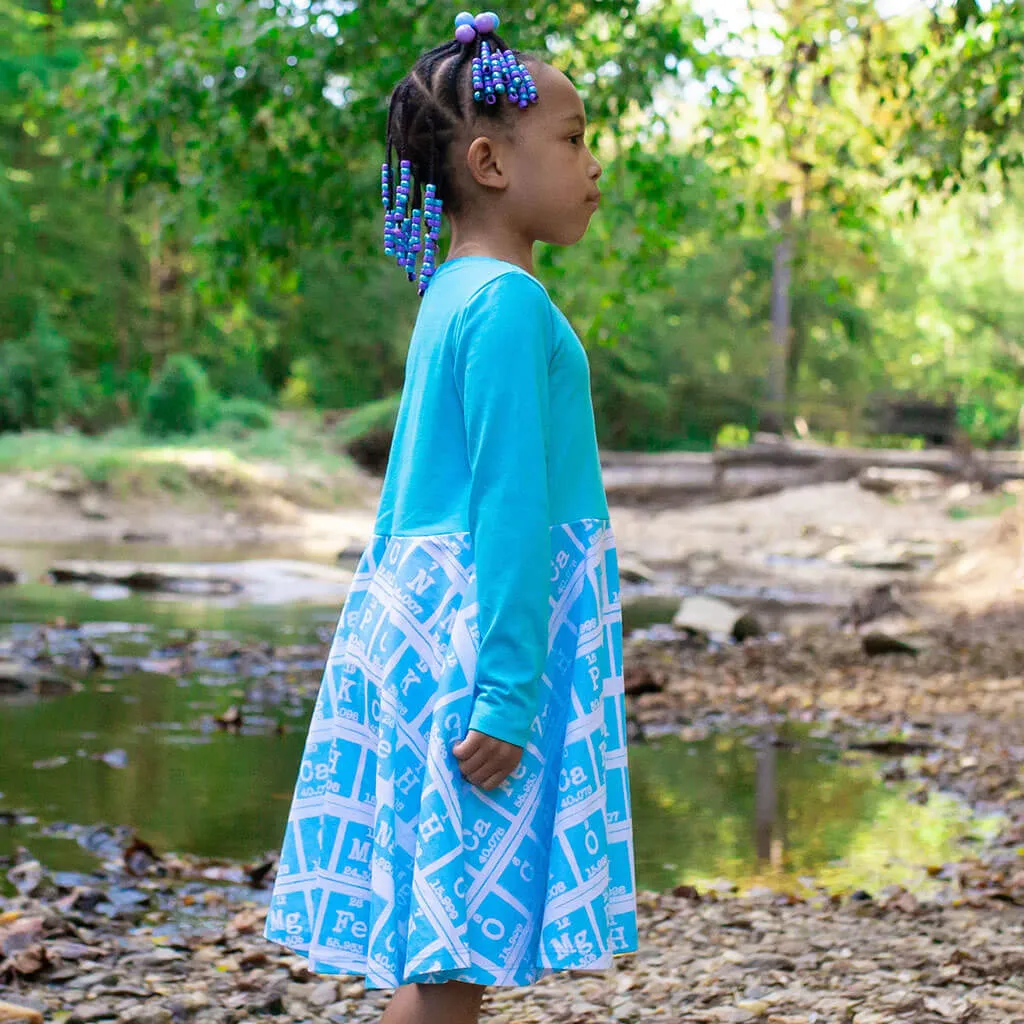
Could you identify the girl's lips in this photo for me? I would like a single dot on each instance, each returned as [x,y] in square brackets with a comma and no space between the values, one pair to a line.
[594,198]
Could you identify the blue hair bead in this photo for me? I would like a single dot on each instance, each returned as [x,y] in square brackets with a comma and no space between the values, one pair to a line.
[464,18]
[417,231]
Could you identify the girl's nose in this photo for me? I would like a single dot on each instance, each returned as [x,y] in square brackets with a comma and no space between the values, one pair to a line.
[596,171]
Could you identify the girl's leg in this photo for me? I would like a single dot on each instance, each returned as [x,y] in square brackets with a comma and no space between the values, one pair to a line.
[453,1002]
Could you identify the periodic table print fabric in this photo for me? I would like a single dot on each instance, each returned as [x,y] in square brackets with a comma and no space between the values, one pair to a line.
[393,865]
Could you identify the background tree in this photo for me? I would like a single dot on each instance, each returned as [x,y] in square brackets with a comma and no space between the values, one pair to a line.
[201,179]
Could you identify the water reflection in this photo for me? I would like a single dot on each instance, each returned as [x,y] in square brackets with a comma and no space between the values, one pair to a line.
[769,847]
[140,749]
[745,810]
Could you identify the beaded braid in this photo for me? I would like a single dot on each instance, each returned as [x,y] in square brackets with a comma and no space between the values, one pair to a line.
[449,85]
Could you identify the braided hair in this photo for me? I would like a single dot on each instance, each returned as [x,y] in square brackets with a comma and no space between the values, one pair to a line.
[448,87]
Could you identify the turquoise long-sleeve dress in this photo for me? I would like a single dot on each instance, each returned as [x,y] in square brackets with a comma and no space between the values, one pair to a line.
[487,599]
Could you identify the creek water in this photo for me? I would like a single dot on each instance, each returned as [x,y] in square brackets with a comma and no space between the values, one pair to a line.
[138,746]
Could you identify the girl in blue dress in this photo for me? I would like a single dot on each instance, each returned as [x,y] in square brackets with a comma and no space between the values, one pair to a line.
[462,816]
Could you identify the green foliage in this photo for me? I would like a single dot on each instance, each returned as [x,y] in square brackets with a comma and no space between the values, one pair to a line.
[960,83]
[244,414]
[36,385]
[221,204]
[374,417]
[180,400]
[991,506]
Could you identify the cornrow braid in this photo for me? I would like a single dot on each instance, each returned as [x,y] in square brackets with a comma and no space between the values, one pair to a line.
[448,88]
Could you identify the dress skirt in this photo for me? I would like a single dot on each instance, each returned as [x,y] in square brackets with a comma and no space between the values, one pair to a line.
[395,867]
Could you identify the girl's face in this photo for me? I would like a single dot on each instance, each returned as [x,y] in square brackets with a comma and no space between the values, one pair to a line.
[552,176]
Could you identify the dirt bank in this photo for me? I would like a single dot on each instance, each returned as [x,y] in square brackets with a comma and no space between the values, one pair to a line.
[50,509]
[832,538]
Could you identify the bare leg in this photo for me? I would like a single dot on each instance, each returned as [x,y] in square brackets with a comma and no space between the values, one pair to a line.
[453,1002]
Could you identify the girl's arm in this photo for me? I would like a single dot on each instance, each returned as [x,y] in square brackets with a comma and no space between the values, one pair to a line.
[502,355]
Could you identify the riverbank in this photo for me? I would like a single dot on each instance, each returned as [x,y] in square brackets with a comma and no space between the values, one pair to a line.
[293,482]
[828,539]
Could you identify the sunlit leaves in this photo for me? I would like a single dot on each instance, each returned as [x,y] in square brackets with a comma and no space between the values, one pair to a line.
[963,93]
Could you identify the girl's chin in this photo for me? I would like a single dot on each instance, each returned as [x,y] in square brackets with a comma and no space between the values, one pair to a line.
[569,235]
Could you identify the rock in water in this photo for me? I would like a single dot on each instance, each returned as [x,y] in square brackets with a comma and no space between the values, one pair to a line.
[19,676]
[881,643]
[352,551]
[7,576]
[746,626]
[174,579]
[873,603]
[632,570]
[715,619]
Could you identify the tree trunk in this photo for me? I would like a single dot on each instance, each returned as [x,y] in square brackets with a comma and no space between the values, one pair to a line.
[122,263]
[773,415]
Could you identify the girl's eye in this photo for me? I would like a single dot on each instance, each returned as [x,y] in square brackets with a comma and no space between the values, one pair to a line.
[576,139]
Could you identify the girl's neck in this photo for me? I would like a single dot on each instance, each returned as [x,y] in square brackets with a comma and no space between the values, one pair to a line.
[491,241]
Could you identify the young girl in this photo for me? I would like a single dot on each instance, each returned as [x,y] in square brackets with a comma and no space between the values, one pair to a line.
[461,817]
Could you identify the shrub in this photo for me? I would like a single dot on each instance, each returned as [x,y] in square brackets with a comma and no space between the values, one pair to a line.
[36,386]
[100,407]
[366,433]
[238,375]
[180,400]
[239,415]
[373,417]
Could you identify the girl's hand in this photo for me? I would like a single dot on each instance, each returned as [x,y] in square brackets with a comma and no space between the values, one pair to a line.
[486,761]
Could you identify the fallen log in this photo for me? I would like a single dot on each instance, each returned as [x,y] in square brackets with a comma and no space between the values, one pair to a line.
[149,578]
[763,468]
[1000,466]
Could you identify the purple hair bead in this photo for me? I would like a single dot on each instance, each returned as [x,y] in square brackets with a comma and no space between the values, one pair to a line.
[465,34]
[487,22]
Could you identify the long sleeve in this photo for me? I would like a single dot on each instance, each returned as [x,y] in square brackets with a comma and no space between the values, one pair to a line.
[502,356]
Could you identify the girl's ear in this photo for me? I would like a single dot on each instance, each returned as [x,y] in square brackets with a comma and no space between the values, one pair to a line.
[484,162]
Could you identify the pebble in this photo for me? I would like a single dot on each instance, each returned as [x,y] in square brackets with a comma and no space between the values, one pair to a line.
[323,994]
[85,981]
[16,1013]
[193,1001]
[769,962]
[93,1010]
[148,1013]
